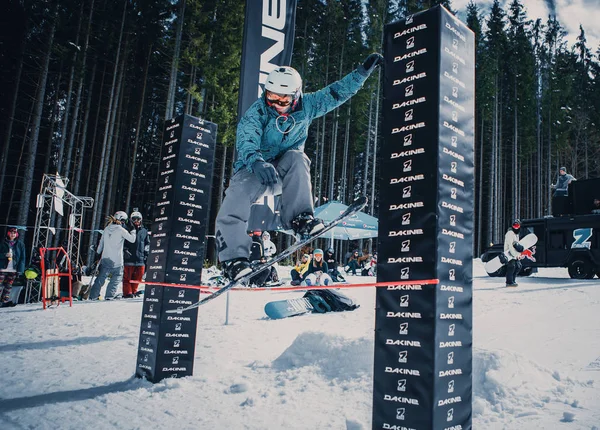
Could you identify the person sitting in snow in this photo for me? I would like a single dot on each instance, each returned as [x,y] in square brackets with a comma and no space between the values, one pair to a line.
[332,264]
[297,273]
[317,271]
[271,160]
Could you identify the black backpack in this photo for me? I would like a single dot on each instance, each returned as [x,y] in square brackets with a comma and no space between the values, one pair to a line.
[330,301]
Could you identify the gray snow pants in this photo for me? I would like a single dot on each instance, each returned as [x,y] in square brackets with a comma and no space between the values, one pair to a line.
[116,277]
[293,168]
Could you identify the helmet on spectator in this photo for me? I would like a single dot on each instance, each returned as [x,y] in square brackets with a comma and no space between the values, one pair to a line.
[318,252]
[120,216]
[136,216]
[330,250]
[266,235]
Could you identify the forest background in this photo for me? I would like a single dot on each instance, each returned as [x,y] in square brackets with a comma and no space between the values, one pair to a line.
[85,88]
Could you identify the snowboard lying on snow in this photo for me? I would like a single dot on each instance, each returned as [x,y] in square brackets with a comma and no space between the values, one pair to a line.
[318,301]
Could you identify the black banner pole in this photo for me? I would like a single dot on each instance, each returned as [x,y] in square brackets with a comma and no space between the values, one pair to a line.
[177,248]
[423,333]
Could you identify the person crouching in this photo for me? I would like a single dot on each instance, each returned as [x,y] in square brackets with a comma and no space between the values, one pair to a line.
[317,271]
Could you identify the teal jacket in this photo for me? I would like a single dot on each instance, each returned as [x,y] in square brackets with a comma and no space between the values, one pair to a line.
[258,137]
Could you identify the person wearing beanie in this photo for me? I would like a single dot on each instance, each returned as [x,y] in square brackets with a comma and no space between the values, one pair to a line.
[12,263]
[511,244]
[561,188]
[135,256]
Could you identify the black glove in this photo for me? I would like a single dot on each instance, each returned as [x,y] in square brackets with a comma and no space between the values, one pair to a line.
[518,247]
[266,172]
[372,61]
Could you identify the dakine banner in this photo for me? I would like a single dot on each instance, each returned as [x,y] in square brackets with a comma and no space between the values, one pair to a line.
[177,248]
[423,333]
[268,42]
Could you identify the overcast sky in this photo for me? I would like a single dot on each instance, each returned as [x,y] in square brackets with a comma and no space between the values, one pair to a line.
[570,14]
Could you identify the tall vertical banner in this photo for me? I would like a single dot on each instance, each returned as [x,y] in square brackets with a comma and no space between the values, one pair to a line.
[268,42]
[177,249]
[423,332]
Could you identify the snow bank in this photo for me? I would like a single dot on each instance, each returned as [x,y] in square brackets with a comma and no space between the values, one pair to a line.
[507,384]
[335,357]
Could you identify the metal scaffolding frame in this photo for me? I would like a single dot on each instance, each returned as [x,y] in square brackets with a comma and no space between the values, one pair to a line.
[53,190]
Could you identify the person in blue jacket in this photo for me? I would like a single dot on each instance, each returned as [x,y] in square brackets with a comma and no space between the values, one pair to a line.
[270,159]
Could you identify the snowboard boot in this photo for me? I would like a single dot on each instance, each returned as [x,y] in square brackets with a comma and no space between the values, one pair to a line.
[306,225]
[236,268]
[514,284]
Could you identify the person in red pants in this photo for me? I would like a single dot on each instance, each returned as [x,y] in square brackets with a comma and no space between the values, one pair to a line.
[135,255]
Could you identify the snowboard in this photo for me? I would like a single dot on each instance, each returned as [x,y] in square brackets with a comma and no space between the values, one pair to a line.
[496,263]
[356,206]
[288,308]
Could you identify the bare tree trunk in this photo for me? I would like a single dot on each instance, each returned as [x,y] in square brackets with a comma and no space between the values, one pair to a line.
[137,131]
[345,159]
[11,118]
[368,147]
[63,134]
[37,120]
[83,146]
[175,63]
[70,143]
[98,196]
[375,140]
[109,173]
[515,160]
[480,198]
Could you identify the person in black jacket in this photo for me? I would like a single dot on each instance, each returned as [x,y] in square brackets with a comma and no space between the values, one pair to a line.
[332,265]
[317,270]
[135,255]
[12,264]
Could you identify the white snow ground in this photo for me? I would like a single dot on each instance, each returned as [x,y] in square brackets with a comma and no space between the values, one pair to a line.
[536,363]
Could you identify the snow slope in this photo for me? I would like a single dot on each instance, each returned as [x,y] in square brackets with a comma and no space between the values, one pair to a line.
[536,363]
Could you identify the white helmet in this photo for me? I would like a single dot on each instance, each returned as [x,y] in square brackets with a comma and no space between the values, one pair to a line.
[266,235]
[284,80]
[120,216]
[136,214]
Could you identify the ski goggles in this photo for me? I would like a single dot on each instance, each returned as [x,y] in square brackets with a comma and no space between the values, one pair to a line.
[283,102]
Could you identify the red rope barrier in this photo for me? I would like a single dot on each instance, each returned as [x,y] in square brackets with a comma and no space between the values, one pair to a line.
[206,289]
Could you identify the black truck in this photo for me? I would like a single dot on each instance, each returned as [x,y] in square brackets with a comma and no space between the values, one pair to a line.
[569,238]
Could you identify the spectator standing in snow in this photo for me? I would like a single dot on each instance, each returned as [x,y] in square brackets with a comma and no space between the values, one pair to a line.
[317,273]
[511,244]
[12,264]
[270,250]
[135,257]
[269,247]
[561,188]
[111,249]
[271,160]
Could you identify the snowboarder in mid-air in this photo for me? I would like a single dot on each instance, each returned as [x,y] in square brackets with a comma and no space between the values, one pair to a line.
[271,160]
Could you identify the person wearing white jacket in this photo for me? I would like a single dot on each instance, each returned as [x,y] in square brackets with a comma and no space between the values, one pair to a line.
[111,262]
[511,244]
